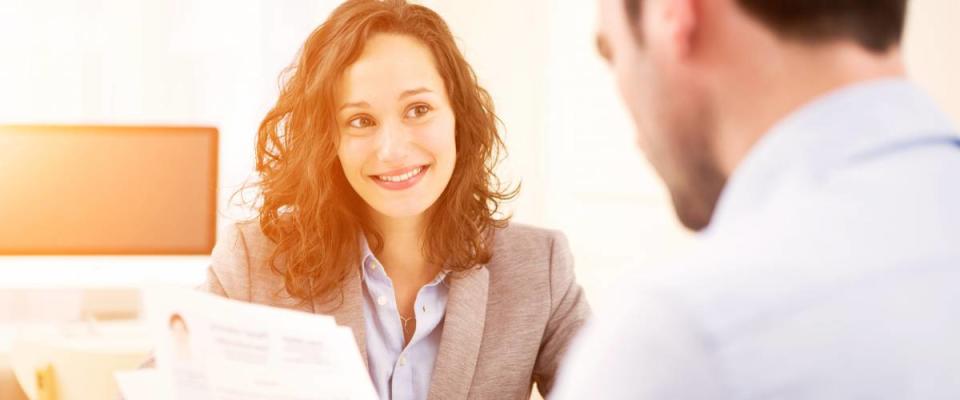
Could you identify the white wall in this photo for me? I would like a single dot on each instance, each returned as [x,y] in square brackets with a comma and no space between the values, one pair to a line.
[504,41]
[932,51]
[217,61]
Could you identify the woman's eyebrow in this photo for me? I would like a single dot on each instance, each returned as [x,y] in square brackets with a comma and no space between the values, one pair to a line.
[357,104]
[405,94]
[412,92]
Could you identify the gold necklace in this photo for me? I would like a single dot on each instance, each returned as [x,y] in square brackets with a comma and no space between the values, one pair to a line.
[406,321]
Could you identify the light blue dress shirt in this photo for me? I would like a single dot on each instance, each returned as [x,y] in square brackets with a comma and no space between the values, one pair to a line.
[831,270]
[399,372]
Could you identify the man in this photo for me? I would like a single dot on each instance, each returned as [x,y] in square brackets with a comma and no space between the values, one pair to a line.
[826,189]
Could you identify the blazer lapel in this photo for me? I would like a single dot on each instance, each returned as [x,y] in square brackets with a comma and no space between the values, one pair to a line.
[349,313]
[462,334]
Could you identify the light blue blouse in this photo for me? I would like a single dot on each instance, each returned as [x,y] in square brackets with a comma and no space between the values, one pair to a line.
[399,372]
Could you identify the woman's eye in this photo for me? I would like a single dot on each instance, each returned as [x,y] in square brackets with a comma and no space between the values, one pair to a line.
[418,111]
[360,122]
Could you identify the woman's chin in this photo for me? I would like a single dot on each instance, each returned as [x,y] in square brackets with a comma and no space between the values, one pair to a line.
[402,211]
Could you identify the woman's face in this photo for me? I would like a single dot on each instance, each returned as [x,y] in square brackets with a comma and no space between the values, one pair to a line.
[397,141]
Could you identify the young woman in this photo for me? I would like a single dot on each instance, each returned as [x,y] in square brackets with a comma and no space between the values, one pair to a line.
[379,206]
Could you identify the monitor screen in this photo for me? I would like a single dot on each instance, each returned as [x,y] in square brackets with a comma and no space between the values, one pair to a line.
[113,190]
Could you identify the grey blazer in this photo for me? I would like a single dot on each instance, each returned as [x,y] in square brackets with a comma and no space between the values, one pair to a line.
[507,324]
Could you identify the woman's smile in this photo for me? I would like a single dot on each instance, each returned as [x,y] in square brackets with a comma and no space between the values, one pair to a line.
[401,179]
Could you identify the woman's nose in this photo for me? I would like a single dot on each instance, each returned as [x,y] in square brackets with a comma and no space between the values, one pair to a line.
[392,143]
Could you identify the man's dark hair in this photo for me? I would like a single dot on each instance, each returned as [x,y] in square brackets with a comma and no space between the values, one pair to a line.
[876,25]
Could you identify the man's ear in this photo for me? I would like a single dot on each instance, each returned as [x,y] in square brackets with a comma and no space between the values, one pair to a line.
[682,19]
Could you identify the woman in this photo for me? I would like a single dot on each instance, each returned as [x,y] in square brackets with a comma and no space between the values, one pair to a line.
[379,207]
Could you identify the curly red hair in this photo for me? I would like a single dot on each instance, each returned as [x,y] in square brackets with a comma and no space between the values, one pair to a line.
[308,208]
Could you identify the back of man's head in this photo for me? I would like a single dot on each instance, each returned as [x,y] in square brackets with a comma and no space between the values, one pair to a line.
[876,25]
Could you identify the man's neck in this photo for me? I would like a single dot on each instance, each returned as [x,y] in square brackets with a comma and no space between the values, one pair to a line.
[760,96]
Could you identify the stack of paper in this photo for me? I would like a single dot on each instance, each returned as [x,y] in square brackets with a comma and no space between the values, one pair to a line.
[209,347]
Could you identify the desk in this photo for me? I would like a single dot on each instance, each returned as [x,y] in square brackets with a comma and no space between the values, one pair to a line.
[83,355]
[9,388]
[44,290]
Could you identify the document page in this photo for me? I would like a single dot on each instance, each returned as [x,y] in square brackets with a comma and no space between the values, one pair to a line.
[210,347]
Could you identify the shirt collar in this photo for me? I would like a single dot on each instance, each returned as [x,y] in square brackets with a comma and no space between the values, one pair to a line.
[366,255]
[371,268]
[827,133]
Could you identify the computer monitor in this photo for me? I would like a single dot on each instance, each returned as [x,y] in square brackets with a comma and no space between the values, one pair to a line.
[107,190]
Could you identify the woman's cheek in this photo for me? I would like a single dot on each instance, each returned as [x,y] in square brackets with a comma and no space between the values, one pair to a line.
[441,137]
[350,155]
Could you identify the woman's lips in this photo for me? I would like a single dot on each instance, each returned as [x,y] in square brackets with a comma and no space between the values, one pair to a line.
[401,179]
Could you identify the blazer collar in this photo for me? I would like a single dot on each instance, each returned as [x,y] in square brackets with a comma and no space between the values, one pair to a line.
[462,328]
[462,333]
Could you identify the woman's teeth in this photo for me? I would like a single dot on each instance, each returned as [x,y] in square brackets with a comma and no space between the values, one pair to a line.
[400,178]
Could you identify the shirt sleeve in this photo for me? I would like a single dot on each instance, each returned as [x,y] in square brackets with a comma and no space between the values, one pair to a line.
[651,348]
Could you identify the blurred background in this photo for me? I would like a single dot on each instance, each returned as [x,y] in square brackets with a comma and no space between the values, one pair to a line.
[215,63]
